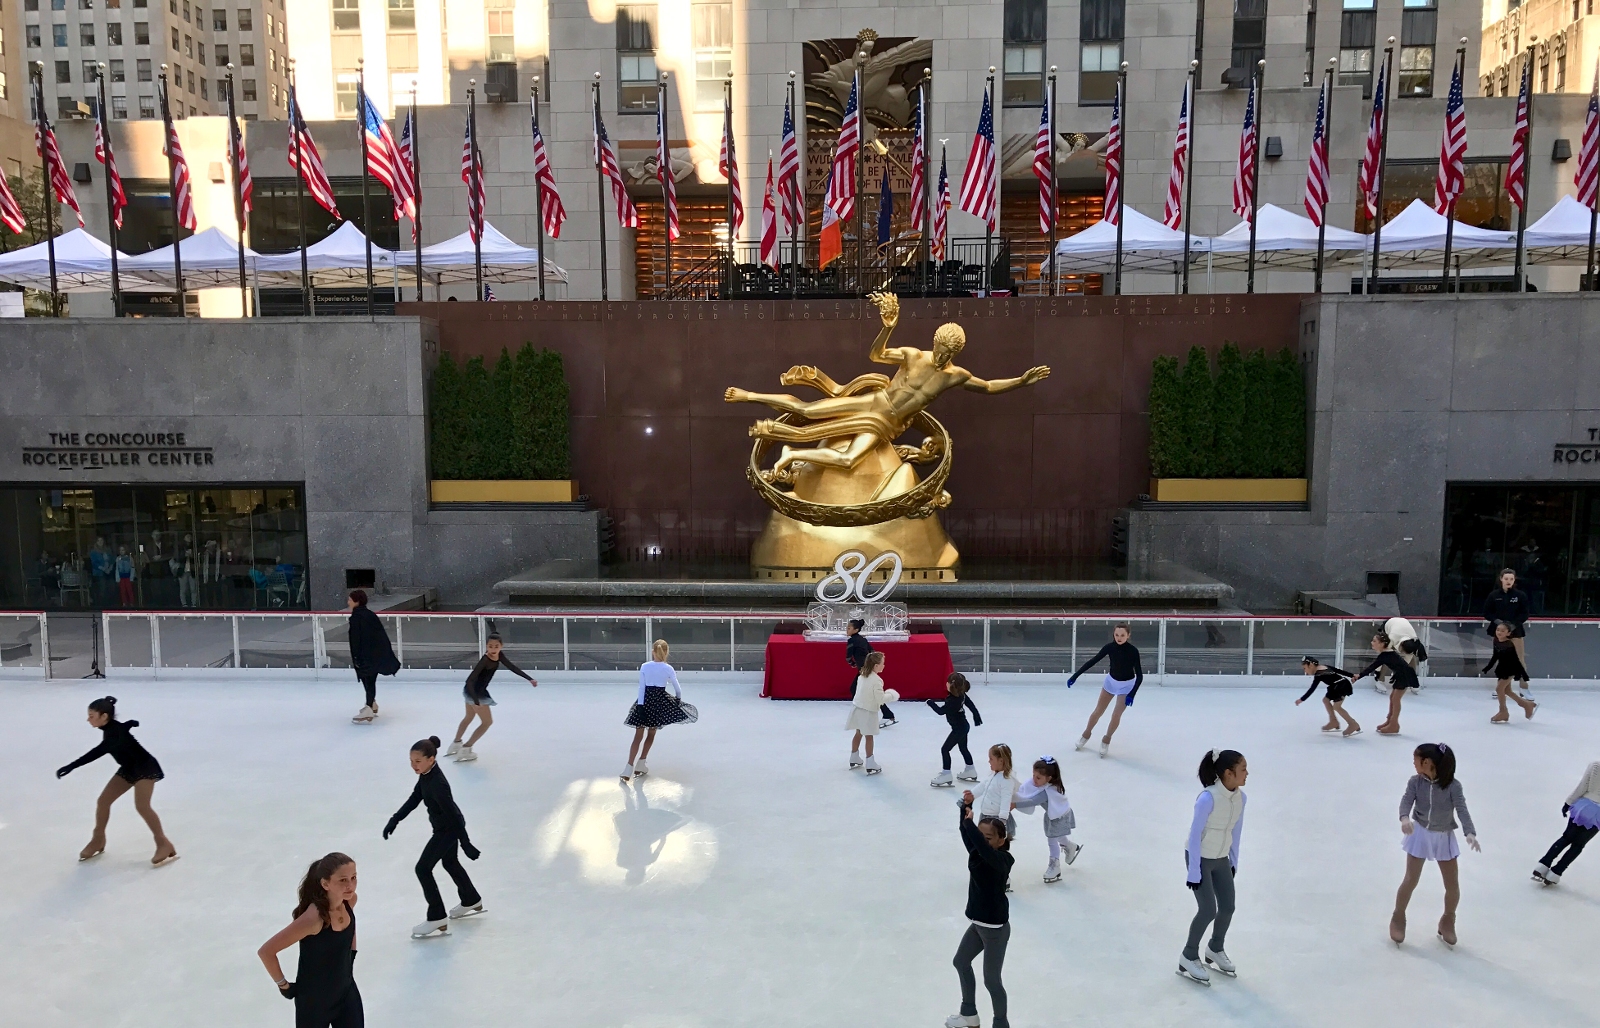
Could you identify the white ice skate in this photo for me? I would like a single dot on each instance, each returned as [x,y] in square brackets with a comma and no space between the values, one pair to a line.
[943,780]
[465,754]
[1544,876]
[459,911]
[1218,959]
[454,748]
[639,769]
[1052,873]
[364,716]
[1073,849]
[968,774]
[1105,749]
[627,773]
[962,1021]
[431,929]
[872,766]
[855,759]
[887,722]
[1194,971]
[1083,741]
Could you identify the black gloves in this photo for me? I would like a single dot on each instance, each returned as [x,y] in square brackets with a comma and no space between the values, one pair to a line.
[62,772]
[1564,807]
[472,852]
[1193,886]
[287,991]
[389,828]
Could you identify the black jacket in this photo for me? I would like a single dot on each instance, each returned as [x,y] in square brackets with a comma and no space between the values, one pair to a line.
[446,818]
[370,651]
[856,649]
[987,870]
[955,711]
[1511,607]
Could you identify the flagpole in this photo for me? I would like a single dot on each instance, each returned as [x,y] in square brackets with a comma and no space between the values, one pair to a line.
[1457,70]
[666,152]
[1521,271]
[861,165]
[172,186]
[1122,178]
[1594,217]
[733,172]
[299,194]
[1383,159]
[1255,175]
[416,188]
[988,229]
[49,191]
[238,194]
[111,205]
[1188,176]
[925,187]
[1327,141]
[600,186]
[475,169]
[366,204]
[538,191]
[797,231]
[1055,185]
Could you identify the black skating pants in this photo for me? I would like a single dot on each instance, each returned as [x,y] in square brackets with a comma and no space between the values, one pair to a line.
[956,739]
[342,1012]
[369,682]
[1573,840]
[441,849]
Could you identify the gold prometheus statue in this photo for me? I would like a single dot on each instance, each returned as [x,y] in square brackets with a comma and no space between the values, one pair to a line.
[840,482]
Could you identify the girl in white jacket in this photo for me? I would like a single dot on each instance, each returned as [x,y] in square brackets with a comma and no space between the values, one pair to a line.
[1212,854]
[863,719]
[1046,790]
[1583,821]
[996,797]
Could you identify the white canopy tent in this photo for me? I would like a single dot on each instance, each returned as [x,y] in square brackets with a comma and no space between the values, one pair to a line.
[1147,245]
[1416,236]
[503,260]
[210,260]
[1283,240]
[338,259]
[1561,236]
[83,264]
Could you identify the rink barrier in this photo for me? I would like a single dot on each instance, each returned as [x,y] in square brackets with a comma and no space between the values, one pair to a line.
[988,646]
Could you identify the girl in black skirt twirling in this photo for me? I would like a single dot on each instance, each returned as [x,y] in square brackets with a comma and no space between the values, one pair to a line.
[136,770]
[654,709]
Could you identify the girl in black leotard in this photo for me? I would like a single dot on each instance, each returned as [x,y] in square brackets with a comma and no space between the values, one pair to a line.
[476,693]
[1123,678]
[1507,667]
[136,770]
[324,989]
[449,830]
[1405,676]
[1339,689]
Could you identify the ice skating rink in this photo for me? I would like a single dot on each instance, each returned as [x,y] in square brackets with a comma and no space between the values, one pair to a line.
[753,880]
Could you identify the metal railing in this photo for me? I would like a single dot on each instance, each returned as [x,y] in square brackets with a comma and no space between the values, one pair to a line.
[1180,646]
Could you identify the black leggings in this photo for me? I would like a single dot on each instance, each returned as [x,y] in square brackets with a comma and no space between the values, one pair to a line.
[344,1012]
[369,682]
[956,739]
[1573,840]
[441,849]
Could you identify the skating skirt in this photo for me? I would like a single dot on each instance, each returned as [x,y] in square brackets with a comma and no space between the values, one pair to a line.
[1585,812]
[1340,691]
[659,710]
[142,772]
[862,720]
[1117,687]
[1430,845]
[486,701]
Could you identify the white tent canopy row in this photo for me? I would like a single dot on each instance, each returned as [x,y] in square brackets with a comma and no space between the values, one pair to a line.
[83,264]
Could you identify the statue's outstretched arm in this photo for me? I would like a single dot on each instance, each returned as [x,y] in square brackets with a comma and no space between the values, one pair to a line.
[889,311]
[1005,385]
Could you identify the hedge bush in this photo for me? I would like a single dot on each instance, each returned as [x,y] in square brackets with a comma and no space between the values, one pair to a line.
[1247,421]
[510,423]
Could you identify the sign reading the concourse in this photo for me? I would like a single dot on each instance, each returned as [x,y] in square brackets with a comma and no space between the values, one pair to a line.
[96,450]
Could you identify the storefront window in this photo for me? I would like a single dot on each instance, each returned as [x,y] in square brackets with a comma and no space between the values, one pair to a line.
[153,548]
[1548,534]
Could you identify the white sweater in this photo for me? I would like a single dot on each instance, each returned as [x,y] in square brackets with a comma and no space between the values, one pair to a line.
[870,692]
[1588,787]
[994,798]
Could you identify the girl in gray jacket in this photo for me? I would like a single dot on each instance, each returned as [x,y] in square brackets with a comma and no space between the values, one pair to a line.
[1433,800]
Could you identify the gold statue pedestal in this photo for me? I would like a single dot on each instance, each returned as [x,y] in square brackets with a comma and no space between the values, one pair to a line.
[798,551]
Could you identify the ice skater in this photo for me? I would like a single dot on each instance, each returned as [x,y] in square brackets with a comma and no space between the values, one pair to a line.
[1404,672]
[324,987]
[1511,605]
[863,720]
[476,693]
[1506,663]
[136,770]
[989,913]
[653,708]
[1122,681]
[449,831]
[1433,800]
[856,648]
[1340,688]
[1046,790]
[371,654]
[954,708]
[999,790]
[1212,854]
[1583,821]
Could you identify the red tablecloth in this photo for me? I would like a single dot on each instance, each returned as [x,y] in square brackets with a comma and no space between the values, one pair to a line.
[798,669]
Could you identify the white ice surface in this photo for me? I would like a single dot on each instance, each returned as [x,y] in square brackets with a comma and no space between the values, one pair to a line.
[753,880]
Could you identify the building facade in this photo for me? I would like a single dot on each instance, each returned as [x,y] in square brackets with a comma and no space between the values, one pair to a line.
[1557,36]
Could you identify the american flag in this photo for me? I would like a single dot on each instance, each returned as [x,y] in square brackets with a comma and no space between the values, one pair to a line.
[1172,214]
[472,175]
[1317,169]
[841,193]
[941,209]
[408,155]
[728,167]
[236,151]
[384,159]
[103,154]
[669,187]
[1114,160]
[488,294]
[1589,150]
[789,174]
[1044,170]
[1517,168]
[919,157]
[181,187]
[10,212]
[606,158]
[549,195]
[979,183]
[1244,186]
[44,143]
[304,158]
[1371,171]
[769,223]
[1452,176]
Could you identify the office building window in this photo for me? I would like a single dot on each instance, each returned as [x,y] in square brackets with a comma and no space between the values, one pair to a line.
[269,26]
[141,33]
[247,55]
[188,47]
[147,107]
[5,90]
[344,94]
[1358,26]
[117,72]
[30,5]
[191,80]
[86,35]
[114,33]
[91,71]
[33,36]
[346,15]
[66,107]
[402,16]
[85,5]
[185,10]
[1311,43]
[636,57]
[247,89]
[1419,28]
[119,108]
[58,5]
[176,44]
[272,60]
[246,21]
[205,89]
[63,71]
[1100,36]
[222,55]
[1023,64]
[58,35]
[219,20]
[273,91]
[1544,74]
[711,33]
[501,31]
[1561,72]
[1249,40]
[141,71]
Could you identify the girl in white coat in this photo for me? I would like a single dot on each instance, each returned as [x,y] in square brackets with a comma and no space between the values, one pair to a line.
[997,796]
[1213,858]
[863,719]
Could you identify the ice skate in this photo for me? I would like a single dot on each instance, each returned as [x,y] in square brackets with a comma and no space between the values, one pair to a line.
[1353,730]
[968,774]
[164,855]
[627,773]
[1447,930]
[454,748]
[1073,849]
[1500,719]
[1219,959]
[1527,711]
[943,780]
[1052,873]
[962,1021]
[465,754]
[459,911]
[1194,971]
[855,759]
[364,716]
[639,769]
[887,722]
[1331,728]
[1397,929]
[431,929]
[89,852]
[1544,876]
[1083,741]
[1105,747]
[872,766]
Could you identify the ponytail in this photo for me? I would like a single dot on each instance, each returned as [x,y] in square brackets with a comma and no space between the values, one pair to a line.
[1443,759]
[1415,648]
[1215,762]
[312,894]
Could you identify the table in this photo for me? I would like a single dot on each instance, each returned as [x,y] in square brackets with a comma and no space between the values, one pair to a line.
[799,669]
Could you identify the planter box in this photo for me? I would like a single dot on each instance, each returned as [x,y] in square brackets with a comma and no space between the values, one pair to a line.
[1228,490]
[507,491]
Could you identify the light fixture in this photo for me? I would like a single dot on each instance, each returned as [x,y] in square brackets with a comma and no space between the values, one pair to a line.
[649,430]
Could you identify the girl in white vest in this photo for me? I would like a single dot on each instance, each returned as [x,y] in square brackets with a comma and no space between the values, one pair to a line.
[1213,859]
[863,719]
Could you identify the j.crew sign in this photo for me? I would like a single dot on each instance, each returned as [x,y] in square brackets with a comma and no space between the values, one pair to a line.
[89,451]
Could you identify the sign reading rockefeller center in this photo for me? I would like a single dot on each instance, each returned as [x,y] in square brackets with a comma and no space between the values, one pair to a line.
[74,451]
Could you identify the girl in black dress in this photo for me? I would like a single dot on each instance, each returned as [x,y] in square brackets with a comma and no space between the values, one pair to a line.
[476,693]
[1507,666]
[1405,676]
[449,830]
[136,770]
[1340,688]
[324,988]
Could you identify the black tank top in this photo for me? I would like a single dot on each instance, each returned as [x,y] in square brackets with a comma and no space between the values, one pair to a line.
[327,962]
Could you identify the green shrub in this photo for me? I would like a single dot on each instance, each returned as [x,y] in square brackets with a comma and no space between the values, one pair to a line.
[1247,422]
[1228,414]
[1260,451]
[477,414]
[1166,438]
[510,423]
[1289,415]
[550,438]
[1197,402]
[444,419]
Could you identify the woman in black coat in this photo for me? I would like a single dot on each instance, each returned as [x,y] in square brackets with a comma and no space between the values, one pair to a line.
[370,653]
